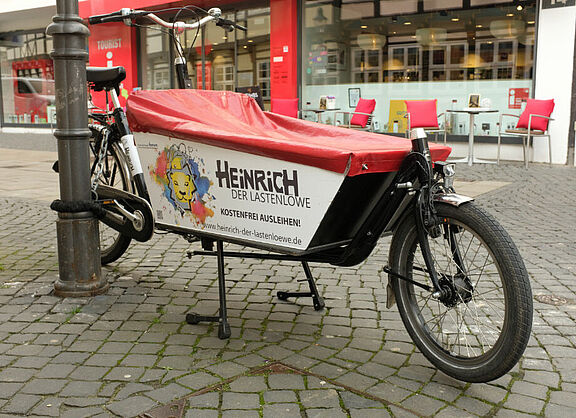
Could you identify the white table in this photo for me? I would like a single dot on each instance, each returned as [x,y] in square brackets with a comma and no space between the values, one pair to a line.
[472,111]
[318,111]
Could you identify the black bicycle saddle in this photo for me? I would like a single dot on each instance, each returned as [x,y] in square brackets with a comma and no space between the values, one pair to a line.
[105,78]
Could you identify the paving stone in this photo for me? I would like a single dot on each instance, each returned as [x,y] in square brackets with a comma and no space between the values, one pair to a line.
[206,400]
[529,389]
[389,392]
[70,358]
[7,390]
[423,405]
[281,410]
[152,375]
[452,412]
[554,410]
[249,384]
[95,412]
[198,380]
[31,362]
[202,413]
[131,389]
[280,396]
[449,393]
[56,371]
[115,348]
[356,381]
[131,374]
[141,360]
[285,381]
[563,398]
[108,360]
[227,369]
[524,403]
[49,406]
[84,401]
[44,386]
[233,413]
[473,406]
[322,398]
[13,374]
[21,404]
[353,401]
[89,373]
[168,393]
[132,406]
[326,413]
[80,388]
[233,400]
[108,389]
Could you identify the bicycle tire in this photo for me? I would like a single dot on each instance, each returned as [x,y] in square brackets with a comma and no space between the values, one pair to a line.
[492,325]
[113,244]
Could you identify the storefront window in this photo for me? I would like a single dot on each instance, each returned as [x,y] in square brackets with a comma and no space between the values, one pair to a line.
[395,50]
[27,88]
[231,59]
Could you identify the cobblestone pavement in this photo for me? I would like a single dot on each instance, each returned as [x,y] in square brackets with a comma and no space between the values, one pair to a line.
[130,351]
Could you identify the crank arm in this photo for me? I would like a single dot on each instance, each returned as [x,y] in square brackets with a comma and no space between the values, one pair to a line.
[133,217]
[136,218]
[399,276]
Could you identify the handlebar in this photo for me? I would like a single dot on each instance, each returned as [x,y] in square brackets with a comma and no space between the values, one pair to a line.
[127,15]
[96,19]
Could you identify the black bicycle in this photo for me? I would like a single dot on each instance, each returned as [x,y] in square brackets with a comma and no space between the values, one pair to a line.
[460,284]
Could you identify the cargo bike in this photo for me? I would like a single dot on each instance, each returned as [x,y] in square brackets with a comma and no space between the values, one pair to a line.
[212,167]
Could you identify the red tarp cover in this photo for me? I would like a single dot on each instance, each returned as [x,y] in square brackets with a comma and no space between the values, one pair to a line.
[234,121]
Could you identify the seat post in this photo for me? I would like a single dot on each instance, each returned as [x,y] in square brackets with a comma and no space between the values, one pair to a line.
[115,99]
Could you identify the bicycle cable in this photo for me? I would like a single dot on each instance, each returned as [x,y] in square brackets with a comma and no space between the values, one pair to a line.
[104,131]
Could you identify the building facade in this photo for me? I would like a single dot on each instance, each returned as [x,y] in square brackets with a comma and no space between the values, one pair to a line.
[388,50]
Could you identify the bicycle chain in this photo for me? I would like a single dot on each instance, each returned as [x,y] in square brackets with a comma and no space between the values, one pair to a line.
[101,155]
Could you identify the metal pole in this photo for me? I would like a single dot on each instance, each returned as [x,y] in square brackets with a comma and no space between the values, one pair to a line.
[77,232]
[203,52]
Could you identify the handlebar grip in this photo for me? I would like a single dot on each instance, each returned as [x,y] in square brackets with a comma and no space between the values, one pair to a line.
[230,24]
[96,19]
[113,19]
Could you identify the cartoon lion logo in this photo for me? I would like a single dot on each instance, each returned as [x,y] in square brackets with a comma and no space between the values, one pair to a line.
[182,181]
[183,184]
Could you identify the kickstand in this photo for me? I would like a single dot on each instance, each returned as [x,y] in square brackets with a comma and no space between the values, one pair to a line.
[317,300]
[222,318]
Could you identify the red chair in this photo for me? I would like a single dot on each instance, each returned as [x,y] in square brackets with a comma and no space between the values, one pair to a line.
[423,114]
[362,117]
[532,123]
[286,107]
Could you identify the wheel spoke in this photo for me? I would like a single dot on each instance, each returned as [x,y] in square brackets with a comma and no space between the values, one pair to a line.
[466,329]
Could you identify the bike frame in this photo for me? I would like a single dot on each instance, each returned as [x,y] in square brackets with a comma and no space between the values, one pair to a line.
[414,190]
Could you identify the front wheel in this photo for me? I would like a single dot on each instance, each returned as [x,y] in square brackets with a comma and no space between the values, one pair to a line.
[478,330]
[114,173]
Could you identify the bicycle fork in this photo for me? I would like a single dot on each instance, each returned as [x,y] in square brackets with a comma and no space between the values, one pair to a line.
[427,223]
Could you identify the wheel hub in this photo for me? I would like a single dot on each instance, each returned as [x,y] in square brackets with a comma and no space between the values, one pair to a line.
[455,289]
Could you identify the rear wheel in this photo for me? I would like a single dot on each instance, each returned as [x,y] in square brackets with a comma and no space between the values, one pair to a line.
[478,330]
[115,174]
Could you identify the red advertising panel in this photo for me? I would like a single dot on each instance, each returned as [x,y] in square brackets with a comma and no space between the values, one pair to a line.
[110,45]
[283,48]
[516,97]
